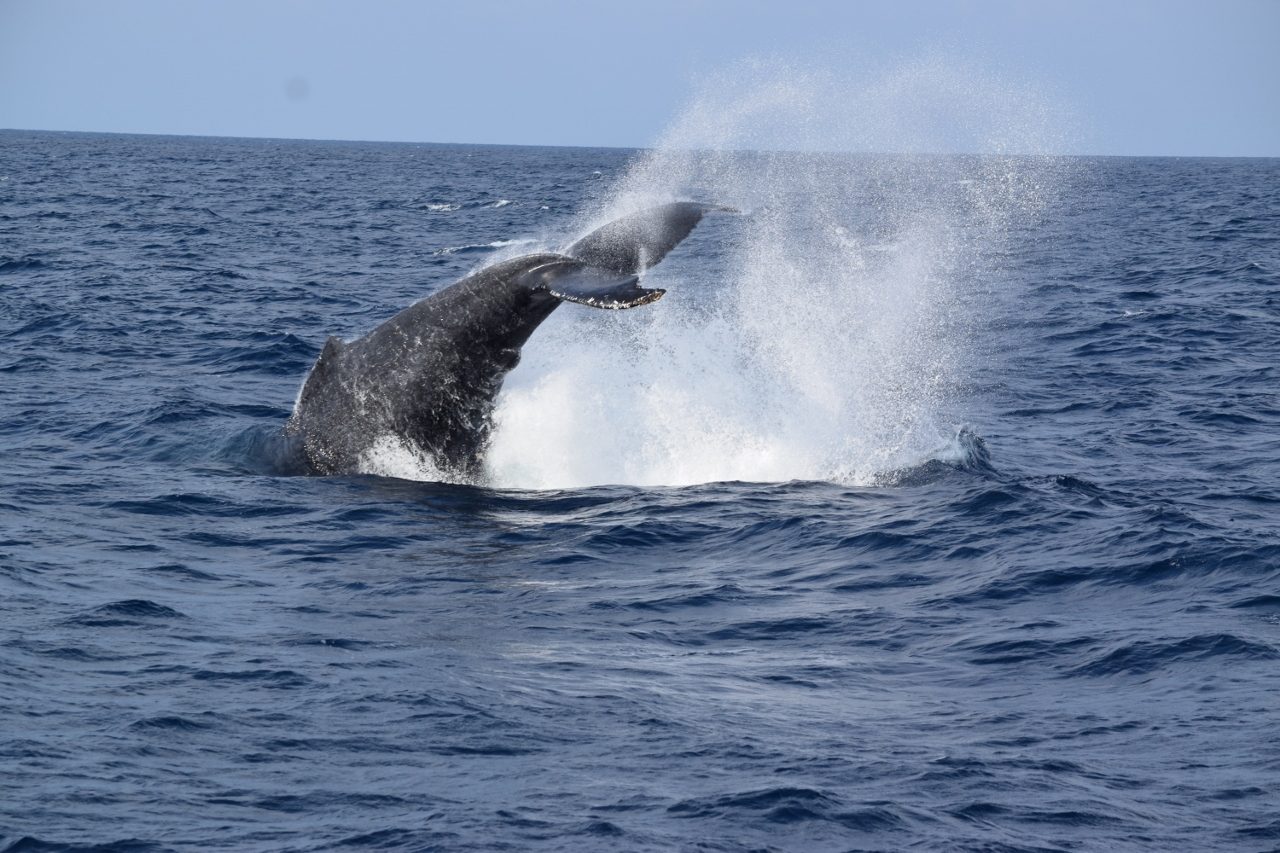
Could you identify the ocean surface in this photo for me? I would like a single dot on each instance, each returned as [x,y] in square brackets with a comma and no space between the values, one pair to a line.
[936,507]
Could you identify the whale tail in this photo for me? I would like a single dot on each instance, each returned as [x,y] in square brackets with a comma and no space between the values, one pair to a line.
[603,268]
[572,280]
[429,376]
[632,244]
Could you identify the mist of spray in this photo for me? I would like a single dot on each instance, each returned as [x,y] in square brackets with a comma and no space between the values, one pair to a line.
[818,334]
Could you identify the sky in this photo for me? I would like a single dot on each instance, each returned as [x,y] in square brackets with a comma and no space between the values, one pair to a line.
[1138,77]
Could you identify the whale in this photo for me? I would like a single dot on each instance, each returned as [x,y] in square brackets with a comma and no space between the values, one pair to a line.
[429,377]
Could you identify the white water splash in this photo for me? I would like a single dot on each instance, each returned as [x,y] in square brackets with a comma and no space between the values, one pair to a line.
[496,244]
[819,335]
[391,456]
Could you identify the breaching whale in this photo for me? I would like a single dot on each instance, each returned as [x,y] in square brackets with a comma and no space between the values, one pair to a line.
[430,375]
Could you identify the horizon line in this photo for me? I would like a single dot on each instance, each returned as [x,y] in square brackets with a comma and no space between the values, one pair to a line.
[363,141]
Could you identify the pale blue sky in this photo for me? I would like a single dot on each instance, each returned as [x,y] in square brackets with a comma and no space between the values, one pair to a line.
[1142,77]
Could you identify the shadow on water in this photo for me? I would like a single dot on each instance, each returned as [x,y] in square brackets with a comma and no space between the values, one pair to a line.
[261,449]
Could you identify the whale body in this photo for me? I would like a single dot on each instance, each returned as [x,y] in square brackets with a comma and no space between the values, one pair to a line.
[429,377]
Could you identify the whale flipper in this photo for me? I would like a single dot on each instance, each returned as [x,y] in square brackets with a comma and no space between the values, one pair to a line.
[634,243]
[575,281]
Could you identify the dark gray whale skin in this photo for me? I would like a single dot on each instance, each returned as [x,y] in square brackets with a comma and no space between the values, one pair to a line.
[430,375]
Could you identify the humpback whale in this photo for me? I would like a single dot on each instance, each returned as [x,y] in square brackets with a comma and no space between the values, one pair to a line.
[430,375]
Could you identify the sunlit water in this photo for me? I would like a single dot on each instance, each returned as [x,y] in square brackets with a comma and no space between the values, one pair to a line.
[934,507]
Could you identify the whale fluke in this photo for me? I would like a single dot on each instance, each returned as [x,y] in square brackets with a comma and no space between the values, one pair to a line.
[634,243]
[576,281]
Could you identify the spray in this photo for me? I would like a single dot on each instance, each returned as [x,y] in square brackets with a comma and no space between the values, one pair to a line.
[824,332]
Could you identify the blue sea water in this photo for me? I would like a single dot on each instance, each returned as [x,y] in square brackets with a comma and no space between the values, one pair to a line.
[1055,628]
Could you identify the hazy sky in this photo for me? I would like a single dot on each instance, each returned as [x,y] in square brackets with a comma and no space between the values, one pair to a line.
[1141,76]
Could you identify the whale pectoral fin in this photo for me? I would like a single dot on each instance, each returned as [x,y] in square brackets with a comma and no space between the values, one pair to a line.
[574,281]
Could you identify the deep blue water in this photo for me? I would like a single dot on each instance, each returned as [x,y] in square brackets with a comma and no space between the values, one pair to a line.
[1061,634]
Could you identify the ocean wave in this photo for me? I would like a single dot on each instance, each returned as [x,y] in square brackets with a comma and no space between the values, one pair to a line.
[1141,658]
[22,264]
[482,247]
[32,844]
[895,538]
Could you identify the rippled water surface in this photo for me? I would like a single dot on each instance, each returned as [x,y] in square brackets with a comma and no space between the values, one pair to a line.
[1017,590]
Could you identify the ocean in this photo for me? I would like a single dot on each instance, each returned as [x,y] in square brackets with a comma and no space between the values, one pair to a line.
[935,507]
